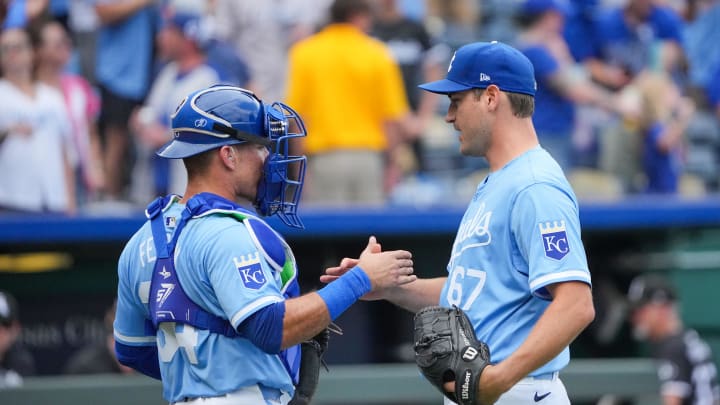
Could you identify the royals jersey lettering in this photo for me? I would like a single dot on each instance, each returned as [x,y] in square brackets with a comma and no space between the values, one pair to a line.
[520,233]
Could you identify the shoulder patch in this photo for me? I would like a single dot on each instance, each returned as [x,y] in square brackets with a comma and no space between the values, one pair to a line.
[554,238]
[250,271]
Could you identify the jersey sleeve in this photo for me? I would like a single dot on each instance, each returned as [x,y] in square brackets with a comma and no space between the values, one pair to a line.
[546,229]
[130,325]
[674,370]
[241,278]
[543,62]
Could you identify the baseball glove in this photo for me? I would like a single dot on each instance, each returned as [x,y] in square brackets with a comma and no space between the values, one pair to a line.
[311,360]
[446,349]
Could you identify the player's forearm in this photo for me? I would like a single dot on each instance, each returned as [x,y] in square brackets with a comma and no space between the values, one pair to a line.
[569,313]
[418,294]
[304,318]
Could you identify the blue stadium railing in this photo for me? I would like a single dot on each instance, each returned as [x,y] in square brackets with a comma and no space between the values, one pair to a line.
[627,214]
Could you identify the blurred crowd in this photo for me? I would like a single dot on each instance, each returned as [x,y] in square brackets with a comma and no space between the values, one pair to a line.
[628,97]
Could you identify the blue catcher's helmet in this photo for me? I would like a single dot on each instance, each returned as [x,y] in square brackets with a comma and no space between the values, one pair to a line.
[225,115]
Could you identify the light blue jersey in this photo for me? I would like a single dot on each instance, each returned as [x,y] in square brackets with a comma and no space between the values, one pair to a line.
[520,233]
[222,270]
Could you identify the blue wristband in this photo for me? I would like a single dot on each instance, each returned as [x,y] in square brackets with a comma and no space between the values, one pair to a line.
[343,292]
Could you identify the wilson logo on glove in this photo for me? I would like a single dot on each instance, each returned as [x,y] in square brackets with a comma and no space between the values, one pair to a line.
[465,390]
[469,354]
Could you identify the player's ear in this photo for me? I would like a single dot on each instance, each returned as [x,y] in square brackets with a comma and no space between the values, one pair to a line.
[492,97]
[228,156]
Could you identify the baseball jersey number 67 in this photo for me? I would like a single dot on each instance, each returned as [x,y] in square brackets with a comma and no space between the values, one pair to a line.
[457,281]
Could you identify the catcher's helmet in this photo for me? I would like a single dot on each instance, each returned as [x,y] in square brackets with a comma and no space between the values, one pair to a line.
[226,115]
[213,117]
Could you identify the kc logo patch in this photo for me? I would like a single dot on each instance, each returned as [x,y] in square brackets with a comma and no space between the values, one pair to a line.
[554,239]
[250,271]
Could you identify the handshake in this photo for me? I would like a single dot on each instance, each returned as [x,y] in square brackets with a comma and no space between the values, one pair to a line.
[385,270]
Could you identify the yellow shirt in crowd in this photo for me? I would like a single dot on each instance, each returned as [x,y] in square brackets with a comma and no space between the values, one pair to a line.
[344,84]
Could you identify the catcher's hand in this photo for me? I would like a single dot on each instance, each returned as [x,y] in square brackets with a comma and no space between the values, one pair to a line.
[446,349]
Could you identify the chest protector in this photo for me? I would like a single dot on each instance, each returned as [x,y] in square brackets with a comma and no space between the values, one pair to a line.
[168,301]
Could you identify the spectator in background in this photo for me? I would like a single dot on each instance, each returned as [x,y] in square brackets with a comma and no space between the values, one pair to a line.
[455,22]
[663,121]
[684,360]
[220,53]
[35,137]
[59,11]
[82,107]
[83,23]
[22,13]
[99,358]
[256,30]
[123,73]
[420,61]
[713,93]
[179,43]
[579,31]
[15,360]
[700,39]
[626,34]
[302,18]
[561,82]
[349,90]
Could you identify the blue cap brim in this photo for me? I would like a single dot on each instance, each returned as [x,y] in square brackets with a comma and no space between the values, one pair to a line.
[179,150]
[444,86]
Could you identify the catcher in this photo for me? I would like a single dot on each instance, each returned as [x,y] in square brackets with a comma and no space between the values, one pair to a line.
[208,297]
[518,279]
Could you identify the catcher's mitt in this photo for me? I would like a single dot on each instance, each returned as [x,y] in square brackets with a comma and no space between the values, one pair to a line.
[312,351]
[446,349]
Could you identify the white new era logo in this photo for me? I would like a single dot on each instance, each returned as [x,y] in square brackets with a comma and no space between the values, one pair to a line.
[484,77]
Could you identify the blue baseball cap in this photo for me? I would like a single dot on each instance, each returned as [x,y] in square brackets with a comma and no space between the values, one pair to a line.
[191,23]
[481,64]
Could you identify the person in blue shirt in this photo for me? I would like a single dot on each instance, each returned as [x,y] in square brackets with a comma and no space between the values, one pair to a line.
[665,117]
[208,299]
[518,267]
[624,40]
[123,73]
[562,83]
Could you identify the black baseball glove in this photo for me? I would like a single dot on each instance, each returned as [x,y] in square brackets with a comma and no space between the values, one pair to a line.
[446,349]
[312,351]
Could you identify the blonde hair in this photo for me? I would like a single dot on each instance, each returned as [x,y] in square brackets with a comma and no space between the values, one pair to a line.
[658,95]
